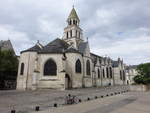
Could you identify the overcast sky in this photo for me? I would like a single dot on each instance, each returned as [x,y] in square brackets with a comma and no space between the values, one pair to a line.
[116,28]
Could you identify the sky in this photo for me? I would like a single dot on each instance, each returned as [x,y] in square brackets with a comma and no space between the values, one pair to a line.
[115,28]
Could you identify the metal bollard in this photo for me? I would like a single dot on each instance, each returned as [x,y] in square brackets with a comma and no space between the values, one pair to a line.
[88,98]
[55,104]
[95,97]
[37,108]
[80,100]
[13,111]
[102,96]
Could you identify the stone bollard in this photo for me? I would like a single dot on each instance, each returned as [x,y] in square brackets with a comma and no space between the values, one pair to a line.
[37,108]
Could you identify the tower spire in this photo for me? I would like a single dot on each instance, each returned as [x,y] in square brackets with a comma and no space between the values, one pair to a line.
[73,33]
[73,14]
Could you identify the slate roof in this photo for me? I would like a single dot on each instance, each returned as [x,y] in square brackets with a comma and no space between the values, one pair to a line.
[115,64]
[56,46]
[6,45]
[82,47]
[73,14]
[35,48]
[72,50]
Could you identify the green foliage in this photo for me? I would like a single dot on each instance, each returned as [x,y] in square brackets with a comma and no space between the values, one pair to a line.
[143,76]
[8,61]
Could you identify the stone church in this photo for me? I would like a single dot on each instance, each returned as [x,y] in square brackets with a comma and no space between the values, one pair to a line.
[67,63]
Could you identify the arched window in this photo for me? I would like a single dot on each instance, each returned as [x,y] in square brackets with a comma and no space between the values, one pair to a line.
[88,69]
[50,68]
[71,33]
[67,34]
[22,69]
[74,22]
[100,61]
[103,73]
[79,34]
[120,75]
[69,22]
[98,73]
[107,72]
[110,70]
[78,66]
[124,78]
[76,33]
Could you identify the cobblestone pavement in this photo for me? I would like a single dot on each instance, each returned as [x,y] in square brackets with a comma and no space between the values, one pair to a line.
[45,98]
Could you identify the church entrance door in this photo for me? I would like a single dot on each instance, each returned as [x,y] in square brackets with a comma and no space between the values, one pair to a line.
[68,83]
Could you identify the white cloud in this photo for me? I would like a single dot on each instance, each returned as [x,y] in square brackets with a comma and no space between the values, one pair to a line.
[116,28]
[19,40]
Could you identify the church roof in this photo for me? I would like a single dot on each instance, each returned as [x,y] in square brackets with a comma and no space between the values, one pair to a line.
[115,64]
[72,50]
[73,14]
[6,45]
[82,47]
[36,48]
[58,46]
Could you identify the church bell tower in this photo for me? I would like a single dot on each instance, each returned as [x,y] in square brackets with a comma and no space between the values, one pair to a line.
[73,33]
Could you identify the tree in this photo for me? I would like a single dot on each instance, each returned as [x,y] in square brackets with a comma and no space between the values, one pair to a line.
[8,61]
[8,67]
[143,76]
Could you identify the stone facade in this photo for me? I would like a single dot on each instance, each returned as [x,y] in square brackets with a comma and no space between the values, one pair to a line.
[6,45]
[131,72]
[67,63]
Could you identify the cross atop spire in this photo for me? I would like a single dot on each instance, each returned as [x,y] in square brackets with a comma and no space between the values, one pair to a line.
[73,3]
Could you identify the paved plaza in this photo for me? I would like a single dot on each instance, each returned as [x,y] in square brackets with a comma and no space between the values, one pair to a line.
[45,98]
[130,102]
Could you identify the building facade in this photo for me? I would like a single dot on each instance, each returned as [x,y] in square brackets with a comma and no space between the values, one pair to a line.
[67,63]
[131,72]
